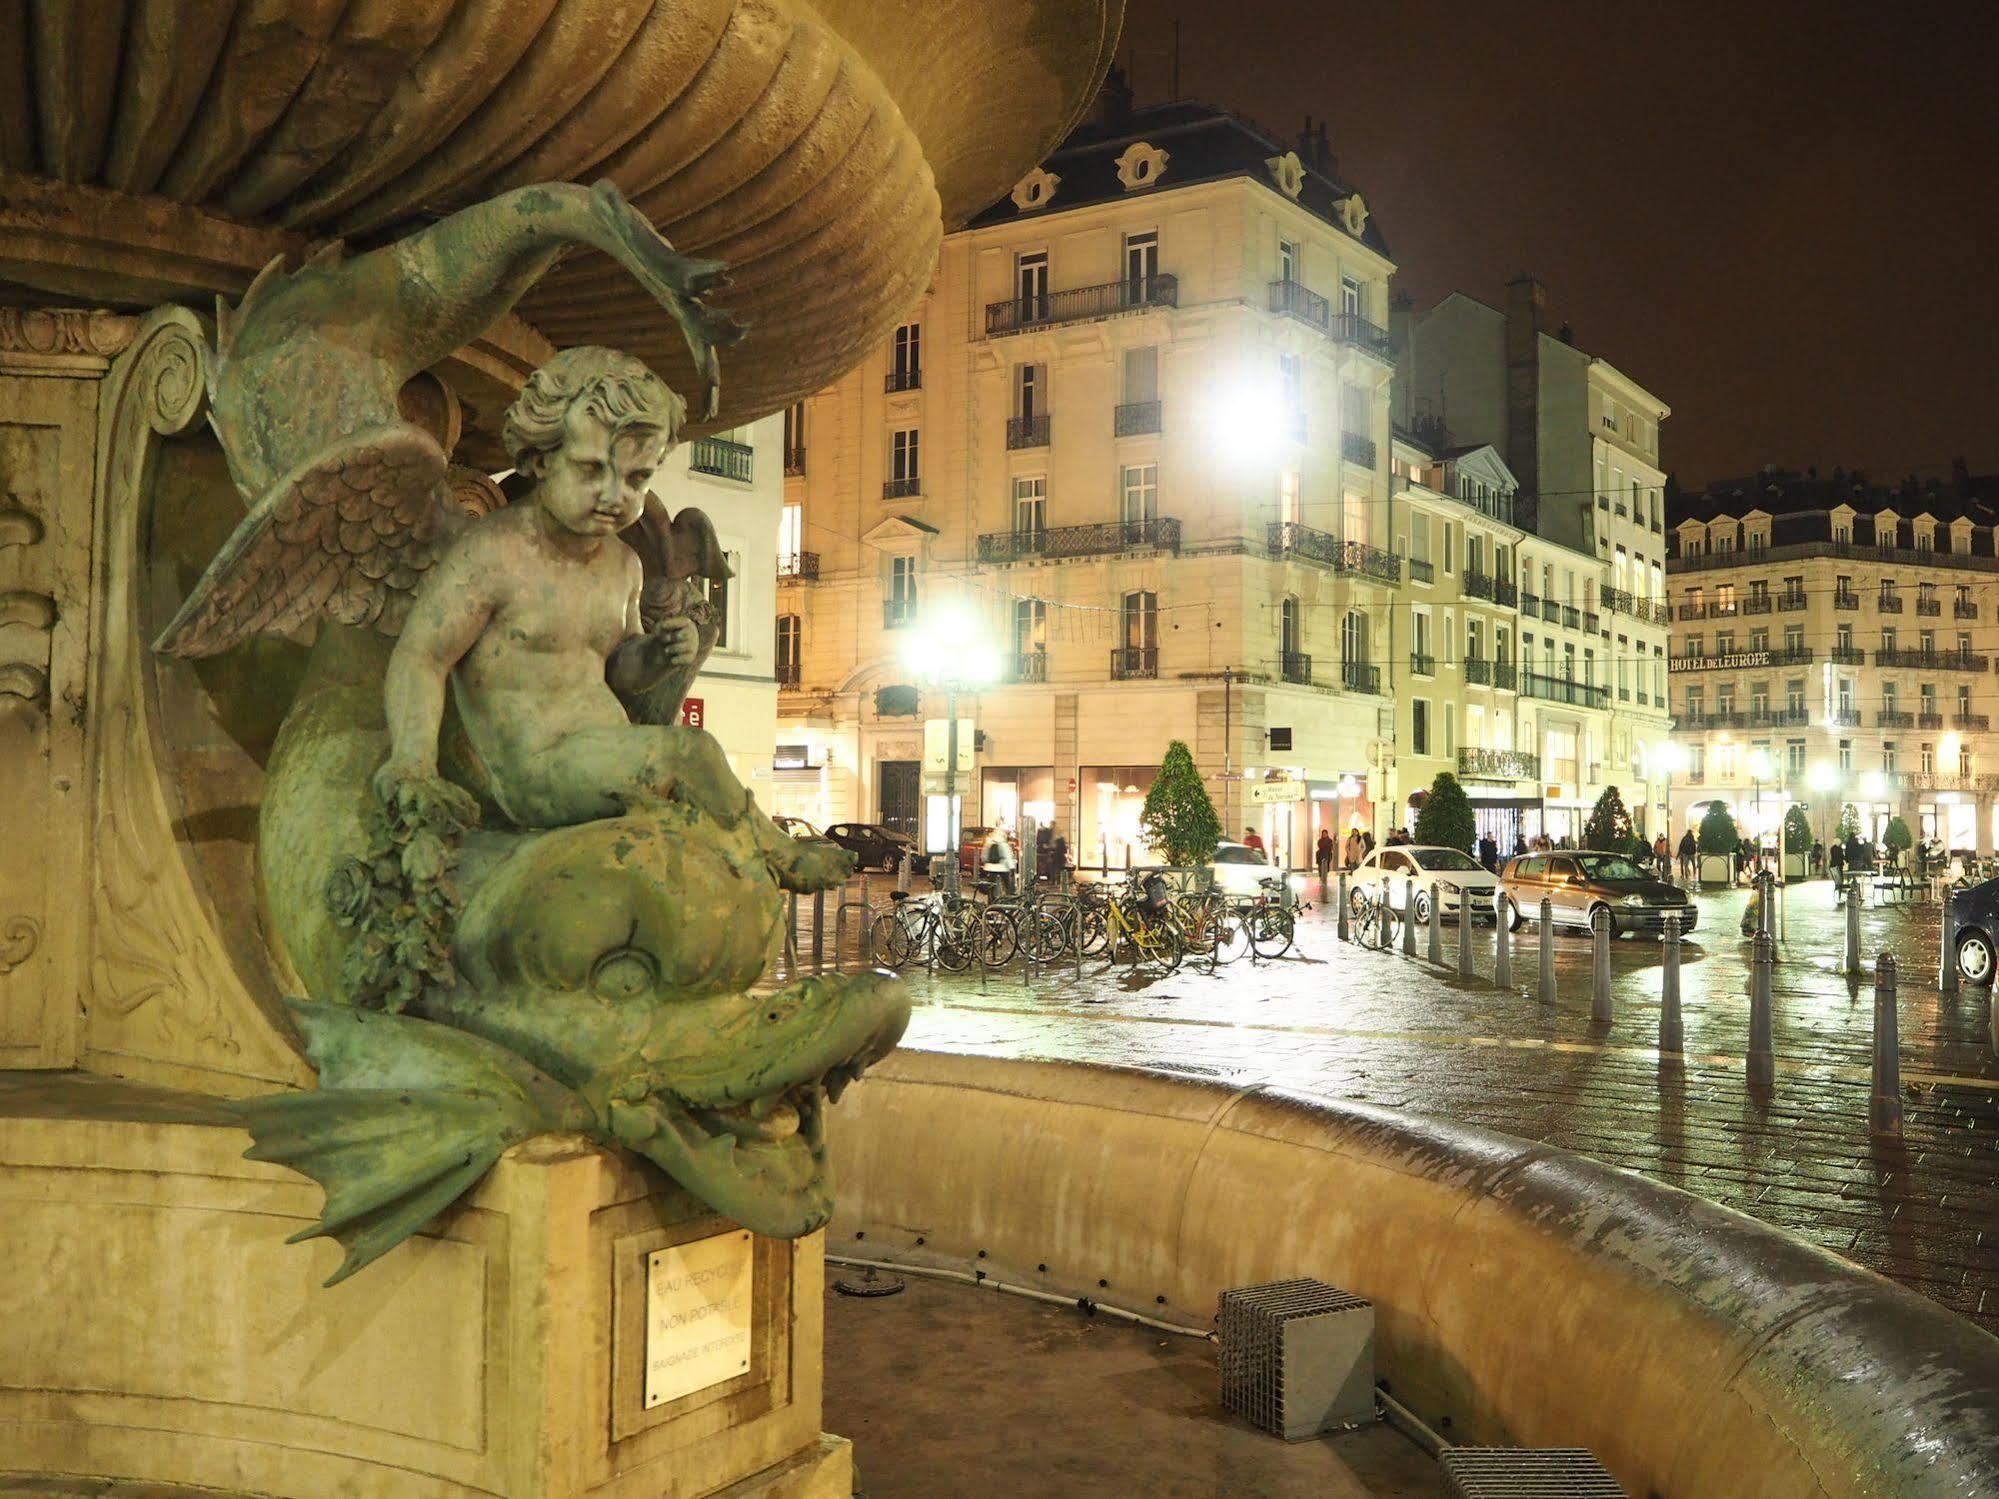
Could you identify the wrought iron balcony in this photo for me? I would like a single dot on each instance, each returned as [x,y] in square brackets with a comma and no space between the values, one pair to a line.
[1572,616]
[1476,585]
[1132,662]
[1421,571]
[1847,655]
[1934,660]
[1888,603]
[1792,655]
[1845,600]
[1929,720]
[1978,721]
[1499,765]
[723,458]
[1963,609]
[1845,718]
[1691,611]
[1100,540]
[1505,592]
[1027,431]
[1790,601]
[1591,621]
[1890,719]
[1295,666]
[1929,608]
[1756,603]
[801,565]
[1360,676]
[1422,665]
[1505,676]
[1026,666]
[901,380]
[1357,332]
[1551,610]
[787,675]
[902,489]
[1563,690]
[1290,299]
[1478,671]
[1723,609]
[1133,294]
[896,613]
[1530,602]
[1340,556]
[794,460]
[1135,419]
[1357,448]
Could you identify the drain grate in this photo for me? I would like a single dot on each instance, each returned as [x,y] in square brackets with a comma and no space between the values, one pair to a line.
[1527,1473]
[1297,1357]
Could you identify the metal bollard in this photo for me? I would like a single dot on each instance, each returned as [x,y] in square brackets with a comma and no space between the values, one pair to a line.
[867,936]
[1599,968]
[1851,968]
[1345,930]
[840,937]
[1947,975]
[1672,1036]
[1437,922]
[1387,919]
[1884,1103]
[1464,932]
[1502,943]
[1547,951]
[819,931]
[1762,1058]
[902,872]
[1408,914]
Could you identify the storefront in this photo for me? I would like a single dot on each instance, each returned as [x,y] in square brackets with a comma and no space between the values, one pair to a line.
[1009,793]
[1109,800]
[1504,816]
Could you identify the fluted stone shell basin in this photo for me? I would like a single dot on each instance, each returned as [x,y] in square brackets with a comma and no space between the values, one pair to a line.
[165,149]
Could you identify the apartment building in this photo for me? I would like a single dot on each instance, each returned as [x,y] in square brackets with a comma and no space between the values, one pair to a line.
[1135,442]
[1833,644]
[1582,438]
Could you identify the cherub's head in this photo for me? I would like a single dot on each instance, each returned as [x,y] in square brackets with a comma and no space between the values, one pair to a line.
[589,428]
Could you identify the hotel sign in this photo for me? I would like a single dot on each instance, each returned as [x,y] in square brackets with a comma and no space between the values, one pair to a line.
[1732,662]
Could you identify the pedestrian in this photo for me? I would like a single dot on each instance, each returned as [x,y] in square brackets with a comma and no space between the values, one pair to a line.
[998,861]
[1058,857]
[1250,839]
[1818,858]
[1366,842]
[1662,854]
[1044,841]
[1323,853]
[1688,851]
[1488,853]
[1353,850]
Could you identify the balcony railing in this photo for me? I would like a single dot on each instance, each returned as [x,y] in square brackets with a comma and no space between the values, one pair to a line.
[1563,690]
[1890,719]
[1421,571]
[1924,780]
[897,613]
[1352,329]
[1290,299]
[1929,608]
[1295,666]
[1132,662]
[1026,666]
[1929,720]
[1499,765]
[1805,551]
[1530,602]
[1888,604]
[1422,665]
[1505,676]
[787,675]
[725,459]
[1571,616]
[794,460]
[1340,556]
[1620,601]
[902,489]
[1476,584]
[1591,622]
[1934,660]
[1847,655]
[1357,448]
[1478,671]
[1756,603]
[1963,609]
[1692,611]
[1135,419]
[1103,539]
[1845,600]
[1027,431]
[1361,676]
[1789,602]
[1505,592]
[1722,609]
[901,380]
[1703,722]
[1978,721]
[1133,294]
[803,565]
[1845,718]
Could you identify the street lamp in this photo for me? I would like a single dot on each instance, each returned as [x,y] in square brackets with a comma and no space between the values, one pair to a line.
[1760,770]
[1670,756]
[948,649]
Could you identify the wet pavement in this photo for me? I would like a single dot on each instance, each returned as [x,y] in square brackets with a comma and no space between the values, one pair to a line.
[1346,1022]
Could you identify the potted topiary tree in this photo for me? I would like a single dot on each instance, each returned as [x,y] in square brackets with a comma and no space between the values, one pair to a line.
[1609,825]
[1445,819]
[1897,839]
[1179,817]
[1797,843]
[1718,841]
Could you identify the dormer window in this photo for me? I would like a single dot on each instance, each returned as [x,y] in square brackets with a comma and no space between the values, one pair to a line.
[1035,190]
[1142,165]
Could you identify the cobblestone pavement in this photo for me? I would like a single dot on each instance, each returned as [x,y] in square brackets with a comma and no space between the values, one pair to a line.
[1345,1022]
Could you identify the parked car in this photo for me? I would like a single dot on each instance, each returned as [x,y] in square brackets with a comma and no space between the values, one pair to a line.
[797,827]
[1394,867]
[1974,911]
[1238,869]
[1577,885]
[872,845]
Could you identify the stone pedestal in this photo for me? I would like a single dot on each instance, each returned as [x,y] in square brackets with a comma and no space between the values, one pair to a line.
[159,1329]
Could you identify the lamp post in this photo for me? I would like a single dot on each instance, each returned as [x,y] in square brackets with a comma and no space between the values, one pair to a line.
[1760,770]
[1670,756]
[1822,778]
[949,650]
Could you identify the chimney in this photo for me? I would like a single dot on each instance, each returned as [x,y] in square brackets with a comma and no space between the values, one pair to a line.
[1112,107]
[1526,310]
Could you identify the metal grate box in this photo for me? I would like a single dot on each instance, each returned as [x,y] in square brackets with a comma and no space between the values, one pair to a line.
[1297,1357]
[1527,1473]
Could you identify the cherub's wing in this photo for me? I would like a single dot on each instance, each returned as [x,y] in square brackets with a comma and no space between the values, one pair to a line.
[347,534]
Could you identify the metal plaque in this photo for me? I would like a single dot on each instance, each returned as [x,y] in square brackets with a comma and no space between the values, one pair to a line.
[698,1299]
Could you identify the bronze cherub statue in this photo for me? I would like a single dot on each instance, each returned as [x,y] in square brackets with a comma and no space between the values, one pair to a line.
[522,896]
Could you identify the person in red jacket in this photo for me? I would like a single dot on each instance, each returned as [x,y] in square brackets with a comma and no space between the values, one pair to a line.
[1251,840]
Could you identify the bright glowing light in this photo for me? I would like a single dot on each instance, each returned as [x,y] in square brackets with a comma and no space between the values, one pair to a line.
[1246,416]
[1349,786]
[1822,778]
[950,645]
[1873,784]
[1670,756]
[1949,746]
[1761,766]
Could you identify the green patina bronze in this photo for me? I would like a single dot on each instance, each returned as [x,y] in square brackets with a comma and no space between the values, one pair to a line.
[521,896]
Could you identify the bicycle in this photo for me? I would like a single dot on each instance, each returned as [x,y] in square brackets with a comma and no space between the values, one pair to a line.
[1270,921]
[937,925]
[1139,927]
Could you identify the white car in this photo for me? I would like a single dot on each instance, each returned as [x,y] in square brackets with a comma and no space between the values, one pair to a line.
[1239,869]
[1422,866]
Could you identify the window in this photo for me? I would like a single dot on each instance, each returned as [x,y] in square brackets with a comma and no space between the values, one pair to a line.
[1724,642]
[902,584]
[1450,545]
[1888,757]
[794,438]
[1289,510]
[1353,637]
[1030,627]
[1141,375]
[1288,262]
[1419,726]
[1031,283]
[1140,493]
[1794,637]
[1759,640]
[1794,695]
[1030,505]
[906,357]
[1696,701]
[1141,263]
[1030,390]
[1141,621]
[1927,758]
[1353,297]
[789,628]
[904,455]
[1291,380]
[790,537]
[1845,696]
[718,600]
[1888,638]
[1846,756]
[1759,699]
[1288,632]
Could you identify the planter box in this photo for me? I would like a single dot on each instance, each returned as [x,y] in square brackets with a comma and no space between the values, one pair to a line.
[1717,869]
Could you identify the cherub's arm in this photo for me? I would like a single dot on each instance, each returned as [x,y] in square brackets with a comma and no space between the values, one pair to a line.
[453,607]
[644,656]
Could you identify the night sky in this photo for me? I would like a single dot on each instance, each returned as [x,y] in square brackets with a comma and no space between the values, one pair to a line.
[1781,218]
